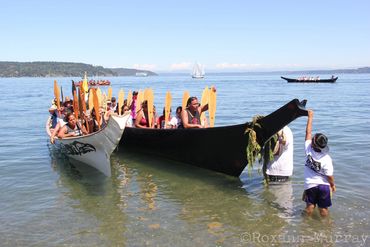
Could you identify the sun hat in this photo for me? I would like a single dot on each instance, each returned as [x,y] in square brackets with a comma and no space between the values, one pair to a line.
[320,141]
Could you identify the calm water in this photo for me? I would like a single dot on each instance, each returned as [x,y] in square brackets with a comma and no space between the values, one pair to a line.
[46,201]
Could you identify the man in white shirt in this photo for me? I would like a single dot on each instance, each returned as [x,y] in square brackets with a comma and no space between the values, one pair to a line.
[281,168]
[318,171]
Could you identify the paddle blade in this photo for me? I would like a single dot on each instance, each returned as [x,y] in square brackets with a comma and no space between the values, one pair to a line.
[167,108]
[204,101]
[75,104]
[109,93]
[150,106]
[212,106]
[185,98]
[85,85]
[56,94]
[96,106]
[129,98]
[121,96]
[91,99]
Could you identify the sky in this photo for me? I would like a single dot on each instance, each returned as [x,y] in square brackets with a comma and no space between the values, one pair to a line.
[171,35]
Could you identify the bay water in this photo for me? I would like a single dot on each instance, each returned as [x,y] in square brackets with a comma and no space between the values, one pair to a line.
[47,201]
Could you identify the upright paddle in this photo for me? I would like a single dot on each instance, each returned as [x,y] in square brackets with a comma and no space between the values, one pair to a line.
[185,98]
[56,94]
[204,101]
[212,106]
[150,107]
[96,106]
[121,96]
[61,93]
[167,108]
[109,93]
[91,100]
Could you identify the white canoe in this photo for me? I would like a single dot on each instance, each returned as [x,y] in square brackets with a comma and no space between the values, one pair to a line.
[94,149]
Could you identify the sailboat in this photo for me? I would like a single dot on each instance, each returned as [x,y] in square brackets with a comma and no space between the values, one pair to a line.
[198,71]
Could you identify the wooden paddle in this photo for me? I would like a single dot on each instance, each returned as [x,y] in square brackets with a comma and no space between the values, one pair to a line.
[75,104]
[109,93]
[56,94]
[185,98]
[150,107]
[129,99]
[140,99]
[91,99]
[80,103]
[99,97]
[104,101]
[61,93]
[167,108]
[96,106]
[204,101]
[212,106]
[121,96]
[84,85]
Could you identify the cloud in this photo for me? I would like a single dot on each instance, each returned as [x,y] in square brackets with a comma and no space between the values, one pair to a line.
[180,66]
[144,66]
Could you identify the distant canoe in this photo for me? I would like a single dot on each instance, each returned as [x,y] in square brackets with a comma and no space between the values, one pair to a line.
[221,149]
[94,83]
[310,80]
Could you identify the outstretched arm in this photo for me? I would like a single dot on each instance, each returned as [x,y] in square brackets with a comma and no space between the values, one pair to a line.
[309,125]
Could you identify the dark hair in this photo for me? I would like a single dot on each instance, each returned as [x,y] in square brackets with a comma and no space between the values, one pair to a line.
[190,100]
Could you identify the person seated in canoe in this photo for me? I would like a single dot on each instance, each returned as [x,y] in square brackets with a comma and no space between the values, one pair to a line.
[72,128]
[142,117]
[171,121]
[113,105]
[190,116]
[178,117]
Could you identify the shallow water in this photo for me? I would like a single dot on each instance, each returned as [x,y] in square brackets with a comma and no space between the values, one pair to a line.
[148,201]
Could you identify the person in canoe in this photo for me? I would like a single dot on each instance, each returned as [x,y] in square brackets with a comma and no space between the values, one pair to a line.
[190,116]
[72,128]
[142,117]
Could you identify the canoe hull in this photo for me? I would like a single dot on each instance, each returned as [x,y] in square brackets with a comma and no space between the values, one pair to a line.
[331,80]
[95,149]
[220,149]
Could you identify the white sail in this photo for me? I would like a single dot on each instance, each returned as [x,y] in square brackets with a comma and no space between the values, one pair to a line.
[198,71]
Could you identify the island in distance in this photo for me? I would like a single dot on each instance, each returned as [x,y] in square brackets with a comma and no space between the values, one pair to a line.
[64,69]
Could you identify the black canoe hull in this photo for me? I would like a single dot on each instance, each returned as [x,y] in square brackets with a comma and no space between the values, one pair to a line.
[220,149]
[331,80]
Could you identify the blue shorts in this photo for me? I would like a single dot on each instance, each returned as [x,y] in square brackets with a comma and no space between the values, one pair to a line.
[319,195]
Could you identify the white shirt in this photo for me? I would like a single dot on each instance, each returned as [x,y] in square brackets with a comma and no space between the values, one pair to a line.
[282,165]
[317,167]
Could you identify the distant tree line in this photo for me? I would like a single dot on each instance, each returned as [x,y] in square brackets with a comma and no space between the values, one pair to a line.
[61,69]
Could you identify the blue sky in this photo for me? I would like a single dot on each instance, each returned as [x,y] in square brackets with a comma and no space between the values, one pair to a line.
[172,35]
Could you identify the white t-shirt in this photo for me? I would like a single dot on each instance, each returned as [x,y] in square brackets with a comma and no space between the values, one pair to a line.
[282,165]
[317,167]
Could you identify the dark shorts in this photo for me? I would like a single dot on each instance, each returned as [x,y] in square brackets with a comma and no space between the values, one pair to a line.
[273,178]
[319,195]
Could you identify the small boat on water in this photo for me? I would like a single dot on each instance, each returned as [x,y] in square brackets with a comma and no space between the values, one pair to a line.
[198,71]
[221,149]
[94,149]
[141,74]
[310,79]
